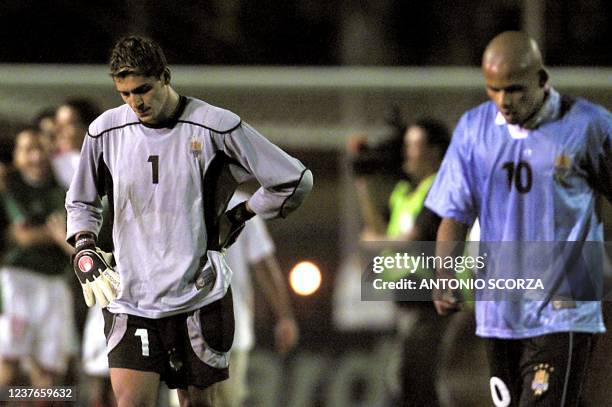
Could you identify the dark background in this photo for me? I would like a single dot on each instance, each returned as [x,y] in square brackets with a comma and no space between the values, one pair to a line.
[300,32]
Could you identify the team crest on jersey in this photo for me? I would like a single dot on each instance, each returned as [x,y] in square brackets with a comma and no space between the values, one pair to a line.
[196,145]
[563,161]
[541,378]
[563,165]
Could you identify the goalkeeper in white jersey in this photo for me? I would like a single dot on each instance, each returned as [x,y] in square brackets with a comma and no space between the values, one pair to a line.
[169,165]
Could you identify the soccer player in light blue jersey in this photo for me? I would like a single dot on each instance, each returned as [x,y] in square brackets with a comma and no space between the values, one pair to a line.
[530,164]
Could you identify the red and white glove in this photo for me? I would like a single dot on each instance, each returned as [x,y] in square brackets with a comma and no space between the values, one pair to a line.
[93,268]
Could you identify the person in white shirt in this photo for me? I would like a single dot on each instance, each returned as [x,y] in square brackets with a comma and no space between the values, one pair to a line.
[253,255]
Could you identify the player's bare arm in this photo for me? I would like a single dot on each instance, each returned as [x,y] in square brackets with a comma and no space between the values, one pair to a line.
[270,279]
[449,231]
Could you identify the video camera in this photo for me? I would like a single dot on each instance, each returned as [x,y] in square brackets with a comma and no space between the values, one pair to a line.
[385,157]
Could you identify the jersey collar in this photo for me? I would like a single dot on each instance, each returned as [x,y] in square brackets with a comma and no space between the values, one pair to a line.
[549,111]
[171,121]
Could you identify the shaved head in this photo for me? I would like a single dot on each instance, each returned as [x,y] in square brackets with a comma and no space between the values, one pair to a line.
[515,76]
[512,52]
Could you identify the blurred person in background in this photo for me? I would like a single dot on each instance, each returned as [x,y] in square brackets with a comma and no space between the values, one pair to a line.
[71,120]
[37,321]
[376,168]
[95,360]
[45,121]
[423,142]
[418,327]
[531,164]
[253,254]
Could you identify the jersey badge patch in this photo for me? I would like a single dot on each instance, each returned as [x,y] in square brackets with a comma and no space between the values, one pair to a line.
[563,165]
[196,145]
[541,378]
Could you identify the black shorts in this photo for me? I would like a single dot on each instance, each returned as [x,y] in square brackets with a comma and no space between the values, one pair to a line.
[543,371]
[190,349]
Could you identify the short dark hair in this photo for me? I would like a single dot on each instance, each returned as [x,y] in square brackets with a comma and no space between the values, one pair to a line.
[86,109]
[136,55]
[437,133]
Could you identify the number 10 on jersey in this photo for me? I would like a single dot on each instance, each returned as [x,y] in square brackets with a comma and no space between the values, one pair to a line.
[520,175]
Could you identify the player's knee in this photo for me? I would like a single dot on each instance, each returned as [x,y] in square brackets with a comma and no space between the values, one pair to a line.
[135,399]
[199,397]
[134,388]
[134,396]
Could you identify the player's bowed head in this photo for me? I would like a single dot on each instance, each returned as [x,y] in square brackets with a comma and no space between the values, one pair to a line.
[515,76]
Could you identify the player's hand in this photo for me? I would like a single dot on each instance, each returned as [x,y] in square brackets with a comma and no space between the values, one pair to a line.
[232,223]
[445,302]
[92,266]
[286,335]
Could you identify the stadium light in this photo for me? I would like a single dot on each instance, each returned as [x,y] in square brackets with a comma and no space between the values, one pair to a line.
[305,278]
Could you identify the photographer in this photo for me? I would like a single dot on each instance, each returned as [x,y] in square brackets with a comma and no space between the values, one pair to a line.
[424,144]
[418,156]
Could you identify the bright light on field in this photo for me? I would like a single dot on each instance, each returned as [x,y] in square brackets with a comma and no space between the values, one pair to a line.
[305,278]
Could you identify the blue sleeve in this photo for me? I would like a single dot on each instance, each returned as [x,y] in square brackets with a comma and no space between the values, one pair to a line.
[600,155]
[452,193]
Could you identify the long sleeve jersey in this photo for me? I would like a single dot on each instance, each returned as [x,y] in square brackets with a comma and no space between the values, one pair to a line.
[168,185]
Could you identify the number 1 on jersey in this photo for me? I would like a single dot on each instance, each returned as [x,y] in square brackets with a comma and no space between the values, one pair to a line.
[154,160]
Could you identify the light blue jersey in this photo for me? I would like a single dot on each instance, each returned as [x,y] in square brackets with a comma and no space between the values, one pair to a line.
[536,185]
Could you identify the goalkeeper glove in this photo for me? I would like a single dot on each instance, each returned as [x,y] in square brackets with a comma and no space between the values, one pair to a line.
[92,266]
[232,223]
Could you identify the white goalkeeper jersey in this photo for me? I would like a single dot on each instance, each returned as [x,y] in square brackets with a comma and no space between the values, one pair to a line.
[168,185]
